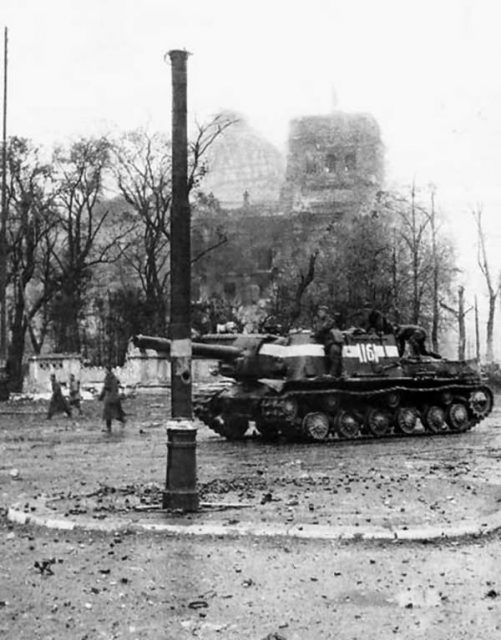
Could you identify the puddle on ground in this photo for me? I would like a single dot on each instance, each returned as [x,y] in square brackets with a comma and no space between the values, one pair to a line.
[364,599]
[417,597]
[410,598]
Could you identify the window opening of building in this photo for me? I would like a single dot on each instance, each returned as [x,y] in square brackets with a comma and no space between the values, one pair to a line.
[331,163]
[350,161]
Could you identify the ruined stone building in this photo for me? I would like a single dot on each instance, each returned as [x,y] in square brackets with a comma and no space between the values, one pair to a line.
[334,164]
[333,168]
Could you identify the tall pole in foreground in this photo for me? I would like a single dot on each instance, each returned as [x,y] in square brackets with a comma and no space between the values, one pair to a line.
[3,240]
[180,245]
[180,486]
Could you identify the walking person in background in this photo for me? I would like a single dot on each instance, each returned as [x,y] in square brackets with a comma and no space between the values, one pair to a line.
[58,403]
[75,397]
[110,394]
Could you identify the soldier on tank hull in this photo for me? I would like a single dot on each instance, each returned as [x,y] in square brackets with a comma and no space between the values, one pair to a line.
[411,335]
[327,332]
[415,337]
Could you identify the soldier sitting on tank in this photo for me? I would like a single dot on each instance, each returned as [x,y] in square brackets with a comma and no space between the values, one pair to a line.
[378,323]
[327,332]
[415,337]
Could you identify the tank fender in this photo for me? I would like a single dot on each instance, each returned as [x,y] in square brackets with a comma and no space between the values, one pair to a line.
[273,384]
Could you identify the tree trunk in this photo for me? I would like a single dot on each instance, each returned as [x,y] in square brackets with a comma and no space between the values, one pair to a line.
[436,311]
[461,323]
[16,346]
[394,281]
[303,284]
[490,327]
[66,316]
[477,332]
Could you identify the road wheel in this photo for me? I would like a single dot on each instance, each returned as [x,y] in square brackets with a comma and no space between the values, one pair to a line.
[267,432]
[378,422]
[406,420]
[392,399]
[347,424]
[434,419]
[457,417]
[235,427]
[316,426]
[480,402]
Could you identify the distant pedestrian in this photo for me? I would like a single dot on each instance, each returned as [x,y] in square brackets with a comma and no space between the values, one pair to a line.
[58,403]
[110,394]
[75,399]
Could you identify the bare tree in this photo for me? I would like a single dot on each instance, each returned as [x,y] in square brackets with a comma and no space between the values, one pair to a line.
[422,266]
[413,233]
[460,315]
[86,240]
[435,278]
[492,289]
[293,297]
[31,237]
[142,169]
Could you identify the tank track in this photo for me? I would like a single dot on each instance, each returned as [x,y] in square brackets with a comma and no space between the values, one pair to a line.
[352,414]
[203,401]
[326,414]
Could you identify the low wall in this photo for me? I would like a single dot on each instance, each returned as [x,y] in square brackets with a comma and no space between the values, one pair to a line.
[40,369]
[146,371]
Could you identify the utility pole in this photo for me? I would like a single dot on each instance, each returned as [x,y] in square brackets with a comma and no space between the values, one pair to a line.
[4,394]
[180,245]
[181,478]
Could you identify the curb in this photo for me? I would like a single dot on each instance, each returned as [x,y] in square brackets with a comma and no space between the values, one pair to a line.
[462,529]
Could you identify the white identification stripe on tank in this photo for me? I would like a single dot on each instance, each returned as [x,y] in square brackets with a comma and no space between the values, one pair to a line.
[351,351]
[317,350]
[292,351]
[380,351]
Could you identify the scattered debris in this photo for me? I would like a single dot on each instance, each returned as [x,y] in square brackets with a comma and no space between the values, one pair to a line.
[198,604]
[45,566]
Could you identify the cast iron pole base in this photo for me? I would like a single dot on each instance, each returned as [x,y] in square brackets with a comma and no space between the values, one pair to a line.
[181,485]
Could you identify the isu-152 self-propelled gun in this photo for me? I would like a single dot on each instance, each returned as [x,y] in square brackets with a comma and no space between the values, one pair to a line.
[282,385]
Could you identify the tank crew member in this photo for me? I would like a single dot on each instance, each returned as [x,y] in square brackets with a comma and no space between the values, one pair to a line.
[327,332]
[377,322]
[415,337]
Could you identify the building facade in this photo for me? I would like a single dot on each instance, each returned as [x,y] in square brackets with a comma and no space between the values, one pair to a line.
[333,169]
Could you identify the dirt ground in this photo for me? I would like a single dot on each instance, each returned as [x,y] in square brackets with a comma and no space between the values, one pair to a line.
[63,585]
[56,585]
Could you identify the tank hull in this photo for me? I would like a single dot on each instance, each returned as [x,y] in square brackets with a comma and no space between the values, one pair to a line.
[325,409]
[285,388]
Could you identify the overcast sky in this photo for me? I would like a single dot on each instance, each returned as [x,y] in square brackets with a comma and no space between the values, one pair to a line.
[428,70]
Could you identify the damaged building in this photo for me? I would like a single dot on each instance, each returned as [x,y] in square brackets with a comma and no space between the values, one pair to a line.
[260,200]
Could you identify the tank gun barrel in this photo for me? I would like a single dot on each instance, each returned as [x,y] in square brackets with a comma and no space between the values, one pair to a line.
[199,349]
